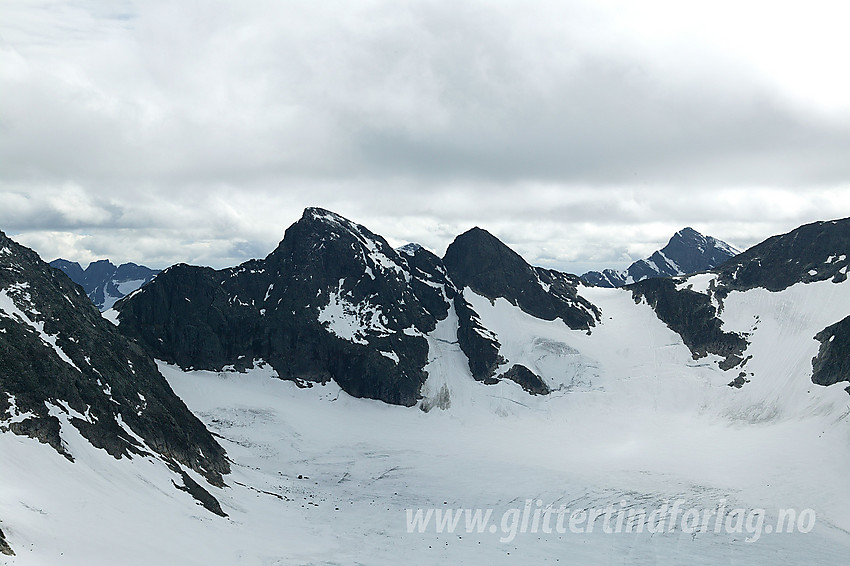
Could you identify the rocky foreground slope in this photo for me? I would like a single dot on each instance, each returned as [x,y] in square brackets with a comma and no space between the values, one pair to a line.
[62,365]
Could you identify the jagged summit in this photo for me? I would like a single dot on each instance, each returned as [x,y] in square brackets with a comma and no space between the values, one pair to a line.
[480,261]
[105,283]
[334,301]
[686,252]
[321,234]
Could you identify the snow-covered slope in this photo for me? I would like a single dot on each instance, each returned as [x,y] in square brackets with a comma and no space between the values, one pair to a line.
[686,253]
[695,392]
[320,477]
[71,384]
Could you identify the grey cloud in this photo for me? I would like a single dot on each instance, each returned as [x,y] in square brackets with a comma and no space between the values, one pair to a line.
[180,134]
[432,90]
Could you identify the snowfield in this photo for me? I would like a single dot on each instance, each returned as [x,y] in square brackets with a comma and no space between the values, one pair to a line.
[320,477]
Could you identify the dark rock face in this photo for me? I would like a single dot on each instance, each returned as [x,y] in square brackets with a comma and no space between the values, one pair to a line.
[693,317]
[203,497]
[324,305]
[813,252]
[832,364]
[528,380]
[739,381]
[59,357]
[478,260]
[479,344]
[4,546]
[687,252]
[103,282]
[335,302]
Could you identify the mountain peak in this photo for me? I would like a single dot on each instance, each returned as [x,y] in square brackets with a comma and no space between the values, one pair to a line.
[477,234]
[688,232]
[101,264]
[332,301]
[321,223]
[321,214]
[321,235]
[479,260]
[478,249]
[409,249]
[105,283]
[688,251]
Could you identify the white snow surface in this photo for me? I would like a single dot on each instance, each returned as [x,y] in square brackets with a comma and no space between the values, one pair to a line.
[112,316]
[108,299]
[127,287]
[700,283]
[633,417]
[728,248]
[351,321]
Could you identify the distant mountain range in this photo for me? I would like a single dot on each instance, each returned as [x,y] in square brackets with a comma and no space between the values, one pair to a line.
[334,302]
[104,282]
[686,253]
[751,355]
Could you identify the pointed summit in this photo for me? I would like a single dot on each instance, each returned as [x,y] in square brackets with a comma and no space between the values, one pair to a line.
[316,214]
[334,301]
[691,252]
[686,252]
[479,260]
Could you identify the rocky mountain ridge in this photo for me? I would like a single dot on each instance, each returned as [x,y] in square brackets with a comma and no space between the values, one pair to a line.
[335,301]
[63,365]
[104,282]
[686,253]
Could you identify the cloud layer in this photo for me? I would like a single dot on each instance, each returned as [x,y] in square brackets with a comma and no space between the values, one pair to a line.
[582,133]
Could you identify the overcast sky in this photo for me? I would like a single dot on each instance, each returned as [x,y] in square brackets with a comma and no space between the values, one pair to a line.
[583,134]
